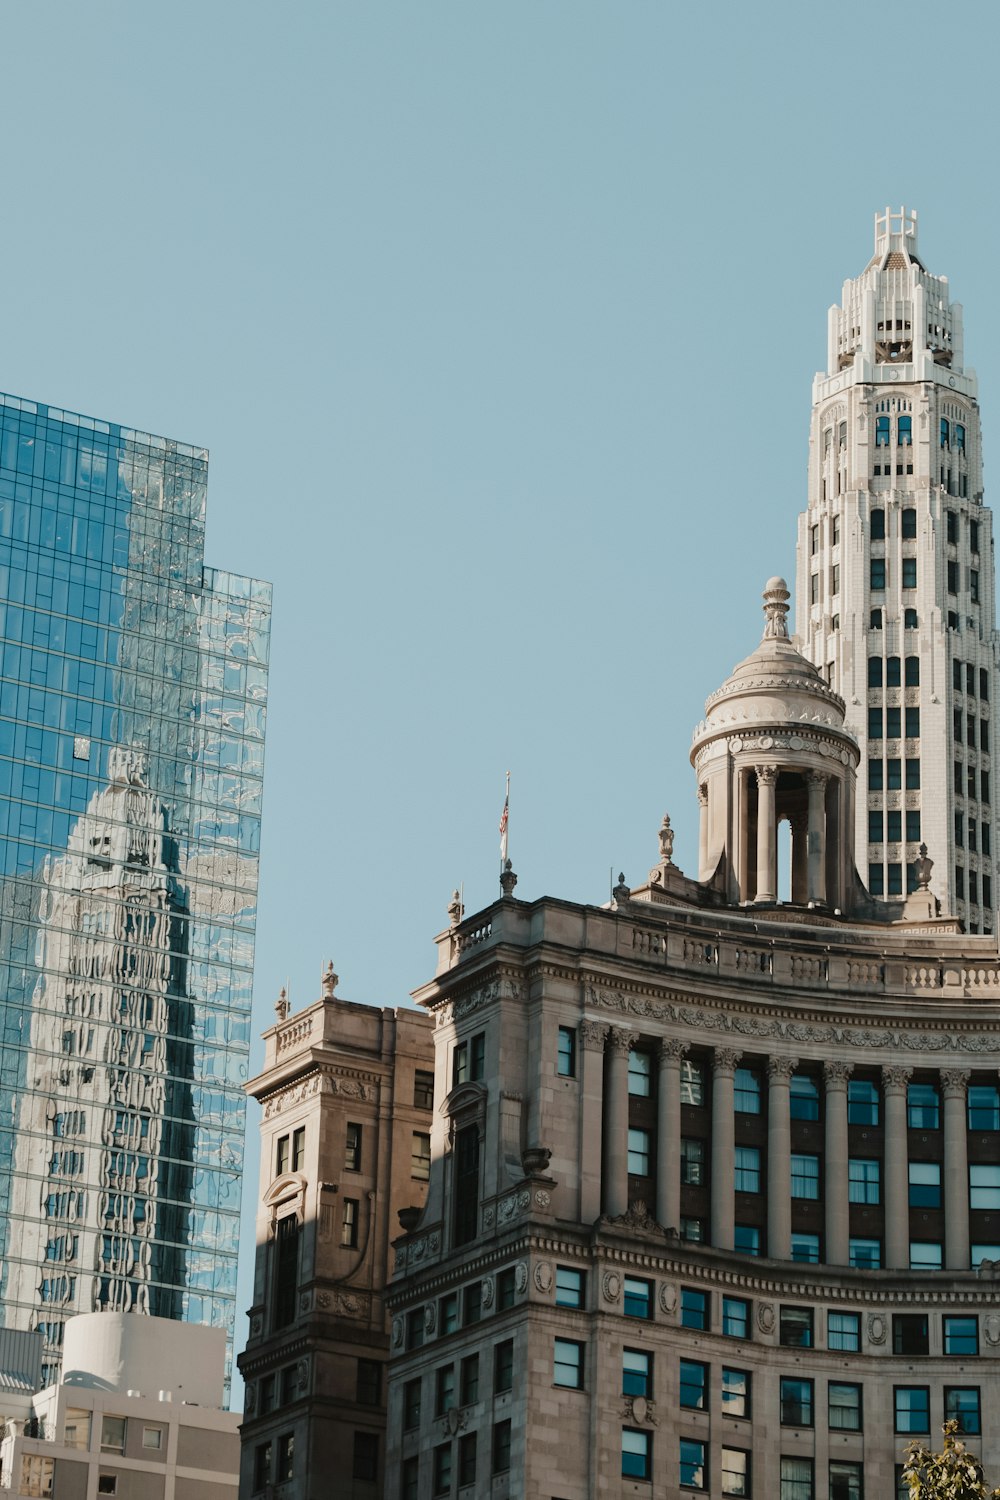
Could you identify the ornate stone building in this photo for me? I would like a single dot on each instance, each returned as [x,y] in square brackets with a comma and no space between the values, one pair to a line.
[714,1201]
[895,594]
[347,1092]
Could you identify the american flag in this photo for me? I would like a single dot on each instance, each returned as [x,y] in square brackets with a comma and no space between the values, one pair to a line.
[503,827]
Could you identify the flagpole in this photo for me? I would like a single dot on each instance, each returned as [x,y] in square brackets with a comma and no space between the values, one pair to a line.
[504,819]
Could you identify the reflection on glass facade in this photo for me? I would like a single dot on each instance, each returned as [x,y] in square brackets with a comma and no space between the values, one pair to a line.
[132,705]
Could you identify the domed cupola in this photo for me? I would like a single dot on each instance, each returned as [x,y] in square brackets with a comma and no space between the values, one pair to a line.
[773,746]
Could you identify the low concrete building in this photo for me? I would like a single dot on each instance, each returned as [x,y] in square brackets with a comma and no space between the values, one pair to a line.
[136,1414]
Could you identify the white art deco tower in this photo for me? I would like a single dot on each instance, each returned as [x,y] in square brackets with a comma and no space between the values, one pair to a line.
[895,596]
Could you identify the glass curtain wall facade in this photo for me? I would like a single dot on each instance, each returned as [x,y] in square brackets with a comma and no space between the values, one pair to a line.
[132,707]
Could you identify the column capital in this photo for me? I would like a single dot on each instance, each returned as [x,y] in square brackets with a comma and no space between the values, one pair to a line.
[672,1047]
[702,794]
[895,1079]
[780,1069]
[817,778]
[592,1035]
[954,1081]
[620,1041]
[836,1075]
[726,1059]
[766,775]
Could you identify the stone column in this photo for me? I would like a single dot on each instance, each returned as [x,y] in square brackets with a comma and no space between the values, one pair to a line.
[800,858]
[668,1144]
[816,782]
[767,843]
[836,1188]
[896,1196]
[956,1170]
[592,1035]
[703,871]
[779,1159]
[723,1156]
[615,1174]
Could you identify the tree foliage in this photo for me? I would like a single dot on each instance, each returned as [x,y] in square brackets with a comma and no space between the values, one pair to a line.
[952,1474]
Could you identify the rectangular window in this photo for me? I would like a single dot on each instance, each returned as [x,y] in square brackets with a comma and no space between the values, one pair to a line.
[637,1373]
[952,572]
[894,826]
[736,1317]
[877,575]
[803,1097]
[892,723]
[469,1392]
[876,782]
[506,1289]
[566,1055]
[805,1176]
[984,1186]
[909,572]
[693,1385]
[923,1110]
[368,1391]
[638,1152]
[501,1446]
[735,1393]
[569,1287]
[692,1083]
[961,1335]
[795,1327]
[747,1169]
[862,1102]
[876,825]
[692,1161]
[909,1334]
[735,1471]
[692,1230]
[882,433]
[640,1074]
[467,1460]
[746,1092]
[796,1481]
[865,1254]
[912,826]
[637,1454]
[261,1468]
[411,1405]
[746,1239]
[973,586]
[423,1090]
[805,1248]
[925,1184]
[442,1469]
[152,1437]
[469,1060]
[843,1331]
[473,1308]
[503,1367]
[835,579]
[814,588]
[844,1406]
[694,1464]
[113,1434]
[876,879]
[984,1107]
[352,1148]
[694,1308]
[298,1149]
[863,1177]
[893,774]
[349,1224]
[796,1402]
[961,1405]
[444,1390]
[365,1464]
[567,1364]
[846,1480]
[420,1161]
[282,1155]
[638,1298]
[913,1408]
[911,723]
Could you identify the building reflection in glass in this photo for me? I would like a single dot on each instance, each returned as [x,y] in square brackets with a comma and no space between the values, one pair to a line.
[132,705]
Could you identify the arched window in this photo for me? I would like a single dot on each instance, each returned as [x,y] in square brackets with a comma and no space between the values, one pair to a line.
[842,434]
[904,430]
[877,523]
[892,671]
[874,671]
[909,527]
[875,620]
[945,435]
[909,619]
[913,671]
[881,432]
[958,436]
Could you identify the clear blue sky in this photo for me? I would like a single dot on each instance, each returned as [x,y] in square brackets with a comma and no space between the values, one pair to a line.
[499,322]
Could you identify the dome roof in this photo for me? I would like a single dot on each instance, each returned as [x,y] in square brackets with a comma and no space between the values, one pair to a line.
[775,683]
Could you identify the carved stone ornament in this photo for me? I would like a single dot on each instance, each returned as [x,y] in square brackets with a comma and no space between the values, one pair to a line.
[430,1318]
[535,1160]
[620,1041]
[454,1421]
[636,1216]
[304,1301]
[726,1060]
[542,1198]
[896,1079]
[876,1328]
[256,1324]
[489,1217]
[766,775]
[674,1047]
[397,1333]
[836,1074]
[487,1291]
[543,1276]
[302,1374]
[954,1080]
[592,1035]
[639,1409]
[668,1297]
[611,1286]
[991,1328]
[250,1398]
[781,1068]
[765,1317]
[323,1299]
[520,1278]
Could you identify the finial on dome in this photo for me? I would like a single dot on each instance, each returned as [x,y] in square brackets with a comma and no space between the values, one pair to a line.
[776,597]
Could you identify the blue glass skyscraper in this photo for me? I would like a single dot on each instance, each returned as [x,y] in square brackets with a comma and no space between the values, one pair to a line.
[132,705]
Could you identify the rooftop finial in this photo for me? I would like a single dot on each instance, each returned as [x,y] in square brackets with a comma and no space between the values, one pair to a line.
[776,598]
[281,1005]
[330,980]
[896,229]
[456,910]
